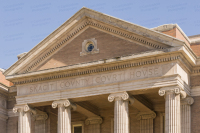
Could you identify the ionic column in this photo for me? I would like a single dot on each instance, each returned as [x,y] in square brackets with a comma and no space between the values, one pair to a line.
[186,114]
[93,124]
[64,115]
[172,108]
[121,111]
[24,119]
[40,119]
[146,121]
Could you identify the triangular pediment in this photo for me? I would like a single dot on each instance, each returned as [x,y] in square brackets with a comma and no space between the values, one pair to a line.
[114,38]
[108,46]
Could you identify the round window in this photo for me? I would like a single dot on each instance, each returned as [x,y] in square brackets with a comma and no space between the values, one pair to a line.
[90,47]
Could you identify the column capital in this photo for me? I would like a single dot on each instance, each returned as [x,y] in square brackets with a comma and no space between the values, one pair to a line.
[93,120]
[40,115]
[64,103]
[172,89]
[146,115]
[23,108]
[120,95]
[187,101]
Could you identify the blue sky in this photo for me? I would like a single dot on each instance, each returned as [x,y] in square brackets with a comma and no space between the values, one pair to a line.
[24,24]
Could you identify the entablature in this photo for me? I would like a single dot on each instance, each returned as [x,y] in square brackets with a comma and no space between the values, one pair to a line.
[106,65]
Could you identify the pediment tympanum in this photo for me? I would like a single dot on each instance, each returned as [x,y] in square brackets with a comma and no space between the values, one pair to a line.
[109,47]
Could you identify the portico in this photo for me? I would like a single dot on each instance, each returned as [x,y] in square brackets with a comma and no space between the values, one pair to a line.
[140,86]
[131,95]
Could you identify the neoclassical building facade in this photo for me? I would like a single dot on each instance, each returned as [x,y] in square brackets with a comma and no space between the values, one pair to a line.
[100,74]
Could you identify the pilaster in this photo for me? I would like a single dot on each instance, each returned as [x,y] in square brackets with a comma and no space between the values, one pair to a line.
[93,124]
[64,115]
[172,108]
[40,121]
[121,111]
[24,119]
[186,114]
[146,121]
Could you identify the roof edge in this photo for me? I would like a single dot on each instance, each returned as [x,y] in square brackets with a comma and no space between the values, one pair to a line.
[2,70]
[167,27]
[84,12]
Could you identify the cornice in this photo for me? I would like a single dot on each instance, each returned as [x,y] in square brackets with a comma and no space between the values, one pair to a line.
[3,87]
[97,68]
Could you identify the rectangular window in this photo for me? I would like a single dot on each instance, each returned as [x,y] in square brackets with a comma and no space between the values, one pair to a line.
[78,127]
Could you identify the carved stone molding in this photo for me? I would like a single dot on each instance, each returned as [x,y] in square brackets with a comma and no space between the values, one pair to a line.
[85,43]
[172,89]
[66,103]
[119,66]
[188,101]
[93,120]
[23,108]
[146,115]
[40,115]
[120,95]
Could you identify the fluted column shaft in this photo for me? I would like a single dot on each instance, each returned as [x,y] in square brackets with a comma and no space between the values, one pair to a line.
[40,118]
[186,115]
[172,108]
[24,119]
[146,121]
[121,118]
[64,119]
[64,115]
[121,112]
[93,124]
[172,112]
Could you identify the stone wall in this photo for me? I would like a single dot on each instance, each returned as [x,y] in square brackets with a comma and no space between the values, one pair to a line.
[12,125]
[195,116]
